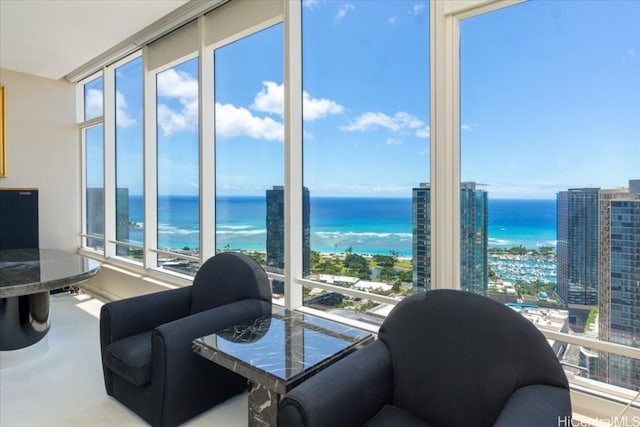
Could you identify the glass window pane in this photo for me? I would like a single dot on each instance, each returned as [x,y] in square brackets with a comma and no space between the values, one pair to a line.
[94,184]
[129,166]
[549,123]
[249,124]
[178,166]
[93,99]
[366,143]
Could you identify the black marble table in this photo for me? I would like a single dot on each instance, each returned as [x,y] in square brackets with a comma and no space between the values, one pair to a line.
[26,277]
[276,353]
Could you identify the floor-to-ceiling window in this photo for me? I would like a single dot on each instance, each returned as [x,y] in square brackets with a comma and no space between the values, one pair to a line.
[366,144]
[249,148]
[384,190]
[178,178]
[129,159]
[93,147]
[549,131]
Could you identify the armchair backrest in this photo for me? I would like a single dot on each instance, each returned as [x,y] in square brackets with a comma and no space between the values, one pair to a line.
[457,357]
[228,277]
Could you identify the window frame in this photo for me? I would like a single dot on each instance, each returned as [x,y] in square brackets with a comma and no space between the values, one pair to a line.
[83,126]
[444,99]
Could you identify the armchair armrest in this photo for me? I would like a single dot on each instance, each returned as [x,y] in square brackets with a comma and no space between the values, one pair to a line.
[186,329]
[180,375]
[346,393]
[536,405]
[123,318]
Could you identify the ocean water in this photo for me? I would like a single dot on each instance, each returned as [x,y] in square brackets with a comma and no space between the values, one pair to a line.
[531,223]
[367,225]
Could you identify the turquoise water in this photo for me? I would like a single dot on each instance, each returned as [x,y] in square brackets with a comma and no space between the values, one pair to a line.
[367,225]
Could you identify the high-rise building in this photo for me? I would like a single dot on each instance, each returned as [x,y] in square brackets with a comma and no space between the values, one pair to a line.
[473,238]
[474,266]
[122,220]
[578,245]
[421,245]
[619,287]
[275,230]
[95,218]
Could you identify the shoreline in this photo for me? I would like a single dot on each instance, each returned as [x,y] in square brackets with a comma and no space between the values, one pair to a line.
[503,256]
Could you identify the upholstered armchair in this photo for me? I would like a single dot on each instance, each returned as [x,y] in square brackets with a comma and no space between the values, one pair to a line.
[145,341]
[443,358]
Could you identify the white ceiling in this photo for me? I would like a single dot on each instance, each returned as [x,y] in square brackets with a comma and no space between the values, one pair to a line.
[51,38]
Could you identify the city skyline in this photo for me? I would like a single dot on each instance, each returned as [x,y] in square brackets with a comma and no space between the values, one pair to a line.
[548,102]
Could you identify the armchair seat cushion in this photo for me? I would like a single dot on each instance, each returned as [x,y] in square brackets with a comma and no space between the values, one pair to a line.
[392,416]
[130,358]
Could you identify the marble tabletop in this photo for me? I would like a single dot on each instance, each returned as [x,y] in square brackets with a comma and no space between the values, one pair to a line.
[281,350]
[29,271]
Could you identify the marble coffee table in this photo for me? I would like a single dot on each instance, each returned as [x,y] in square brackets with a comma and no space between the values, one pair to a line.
[277,352]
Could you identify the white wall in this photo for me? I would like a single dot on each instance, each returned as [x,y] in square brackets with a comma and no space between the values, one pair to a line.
[43,151]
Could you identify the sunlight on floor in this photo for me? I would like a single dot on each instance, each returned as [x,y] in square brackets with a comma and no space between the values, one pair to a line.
[89,304]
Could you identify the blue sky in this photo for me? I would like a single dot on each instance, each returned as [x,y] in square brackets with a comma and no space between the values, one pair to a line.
[550,99]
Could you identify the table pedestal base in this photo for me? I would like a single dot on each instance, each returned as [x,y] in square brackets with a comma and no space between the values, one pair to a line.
[263,406]
[24,320]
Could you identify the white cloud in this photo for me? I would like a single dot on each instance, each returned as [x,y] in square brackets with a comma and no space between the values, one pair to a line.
[314,108]
[177,84]
[123,119]
[93,103]
[400,122]
[334,188]
[465,127]
[271,100]
[172,121]
[343,12]
[310,3]
[232,121]
[183,87]
[423,132]
[417,9]
[393,20]
[532,190]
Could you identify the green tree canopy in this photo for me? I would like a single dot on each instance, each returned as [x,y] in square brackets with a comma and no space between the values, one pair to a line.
[358,265]
[384,260]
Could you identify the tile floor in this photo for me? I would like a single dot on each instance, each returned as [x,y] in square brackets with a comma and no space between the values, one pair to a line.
[64,385]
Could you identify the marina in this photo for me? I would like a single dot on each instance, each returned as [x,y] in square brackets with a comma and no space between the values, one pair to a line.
[527,268]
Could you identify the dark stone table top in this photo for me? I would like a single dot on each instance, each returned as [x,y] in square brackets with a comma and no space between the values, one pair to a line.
[281,350]
[29,271]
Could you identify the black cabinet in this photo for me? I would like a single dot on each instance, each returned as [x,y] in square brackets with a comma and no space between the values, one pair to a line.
[19,218]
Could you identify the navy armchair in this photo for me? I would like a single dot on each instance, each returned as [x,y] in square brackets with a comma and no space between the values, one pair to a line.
[145,341]
[443,358]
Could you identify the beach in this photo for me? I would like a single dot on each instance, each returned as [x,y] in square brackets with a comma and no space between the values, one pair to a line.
[367,226]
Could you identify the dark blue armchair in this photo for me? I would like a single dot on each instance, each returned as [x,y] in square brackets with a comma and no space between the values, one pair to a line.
[145,341]
[444,358]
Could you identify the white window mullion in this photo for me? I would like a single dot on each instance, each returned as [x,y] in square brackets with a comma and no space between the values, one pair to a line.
[445,149]
[207,148]
[293,153]
[150,166]
[83,188]
[83,164]
[109,145]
